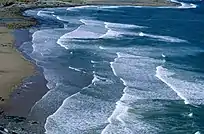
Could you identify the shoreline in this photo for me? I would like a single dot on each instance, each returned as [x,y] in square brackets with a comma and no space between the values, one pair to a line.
[15,67]
[23,66]
[16,20]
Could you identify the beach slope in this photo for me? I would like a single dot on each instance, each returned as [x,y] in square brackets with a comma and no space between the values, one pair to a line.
[13,67]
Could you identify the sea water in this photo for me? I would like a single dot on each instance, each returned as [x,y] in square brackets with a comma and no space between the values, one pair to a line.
[120,69]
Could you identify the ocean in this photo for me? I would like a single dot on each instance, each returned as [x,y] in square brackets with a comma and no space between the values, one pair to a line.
[120,69]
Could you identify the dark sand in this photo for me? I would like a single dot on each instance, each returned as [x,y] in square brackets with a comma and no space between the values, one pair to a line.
[31,89]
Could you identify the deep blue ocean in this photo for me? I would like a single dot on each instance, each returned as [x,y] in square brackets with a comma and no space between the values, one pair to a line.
[120,69]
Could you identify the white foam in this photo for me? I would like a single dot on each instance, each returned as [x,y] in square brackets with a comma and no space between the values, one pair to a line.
[61,19]
[119,25]
[81,33]
[76,69]
[111,34]
[162,38]
[120,109]
[190,92]
[78,114]
[126,55]
[44,13]
[78,7]
[100,47]
[93,61]
[107,7]
[87,31]
[59,41]
[164,56]
[124,83]
[91,22]
[163,73]
[197,132]
[111,65]
[120,116]
[141,34]
[190,114]
[184,5]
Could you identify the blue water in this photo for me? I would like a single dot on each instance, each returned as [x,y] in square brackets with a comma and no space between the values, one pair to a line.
[120,70]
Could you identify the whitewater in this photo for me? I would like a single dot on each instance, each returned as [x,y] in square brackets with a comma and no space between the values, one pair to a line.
[136,73]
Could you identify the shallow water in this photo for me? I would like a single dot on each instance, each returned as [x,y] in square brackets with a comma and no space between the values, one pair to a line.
[120,70]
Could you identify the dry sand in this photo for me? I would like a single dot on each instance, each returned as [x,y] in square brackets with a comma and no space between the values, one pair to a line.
[13,67]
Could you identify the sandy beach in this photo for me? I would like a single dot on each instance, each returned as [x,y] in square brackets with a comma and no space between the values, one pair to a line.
[13,66]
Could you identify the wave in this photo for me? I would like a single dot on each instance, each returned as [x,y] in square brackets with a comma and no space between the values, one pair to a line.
[131,70]
[61,19]
[198,132]
[190,92]
[162,38]
[87,31]
[184,5]
[119,25]
[44,13]
[91,22]
[111,34]
[119,109]
[89,112]
[101,47]
[81,7]
[76,69]
[162,73]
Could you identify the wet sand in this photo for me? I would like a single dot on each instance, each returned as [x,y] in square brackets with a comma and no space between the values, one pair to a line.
[31,89]
[13,66]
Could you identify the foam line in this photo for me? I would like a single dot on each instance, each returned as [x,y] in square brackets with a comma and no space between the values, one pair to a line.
[76,69]
[92,61]
[120,108]
[78,7]
[162,74]
[162,38]
[100,47]
[164,56]
[42,13]
[184,5]
[58,17]
[119,25]
[190,114]
[197,132]
[110,34]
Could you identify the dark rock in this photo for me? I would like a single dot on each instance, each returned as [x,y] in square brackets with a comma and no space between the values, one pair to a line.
[34,122]
[14,133]
[20,119]
[8,4]
[15,118]
[1,128]
[1,112]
